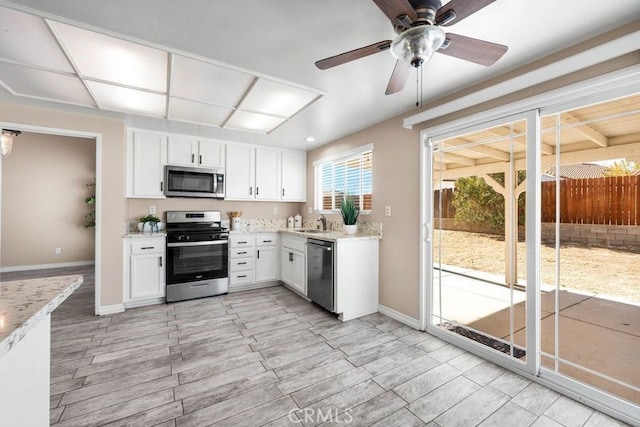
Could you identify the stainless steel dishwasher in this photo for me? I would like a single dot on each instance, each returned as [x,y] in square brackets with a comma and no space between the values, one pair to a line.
[320,273]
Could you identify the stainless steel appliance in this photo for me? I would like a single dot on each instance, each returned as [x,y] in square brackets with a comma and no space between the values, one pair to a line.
[197,255]
[181,181]
[320,286]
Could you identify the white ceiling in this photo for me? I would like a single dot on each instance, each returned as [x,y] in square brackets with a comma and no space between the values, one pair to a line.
[282,39]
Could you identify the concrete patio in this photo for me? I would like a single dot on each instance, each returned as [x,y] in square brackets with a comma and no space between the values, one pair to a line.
[597,332]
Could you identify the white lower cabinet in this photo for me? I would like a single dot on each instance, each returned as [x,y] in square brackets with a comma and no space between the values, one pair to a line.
[253,260]
[144,282]
[293,263]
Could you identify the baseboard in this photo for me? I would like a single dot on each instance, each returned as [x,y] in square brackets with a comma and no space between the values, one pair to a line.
[45,266]
[144,302]
[252,286]
[106,310]
[400,317]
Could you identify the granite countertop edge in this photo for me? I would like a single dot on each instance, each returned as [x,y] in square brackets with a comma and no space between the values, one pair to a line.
[43,310]
[138,234]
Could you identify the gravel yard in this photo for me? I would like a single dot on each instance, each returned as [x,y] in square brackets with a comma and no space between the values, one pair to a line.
[612,272]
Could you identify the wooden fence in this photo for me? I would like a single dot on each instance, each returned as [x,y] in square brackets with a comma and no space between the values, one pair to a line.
[607,201]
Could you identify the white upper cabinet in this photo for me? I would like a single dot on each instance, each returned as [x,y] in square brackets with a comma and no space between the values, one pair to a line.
[267,176]
[263,173]
[204,153]
[145,164]
[240,174]
[294,176]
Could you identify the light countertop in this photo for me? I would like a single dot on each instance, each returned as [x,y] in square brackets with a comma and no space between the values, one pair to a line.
[138,234]
[24,303]
[329,235]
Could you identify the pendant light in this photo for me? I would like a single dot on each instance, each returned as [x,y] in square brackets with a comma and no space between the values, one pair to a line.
[6,140]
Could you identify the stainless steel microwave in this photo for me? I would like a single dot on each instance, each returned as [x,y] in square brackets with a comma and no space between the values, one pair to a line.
[181,181]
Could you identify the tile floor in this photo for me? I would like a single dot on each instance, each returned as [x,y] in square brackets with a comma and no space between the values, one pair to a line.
[268,357]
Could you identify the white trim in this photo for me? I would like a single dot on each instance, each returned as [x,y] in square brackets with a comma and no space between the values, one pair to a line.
[45,266]
[343,155]
[252,286]
[97,137]
[107,310]
[400,317]
[143,302]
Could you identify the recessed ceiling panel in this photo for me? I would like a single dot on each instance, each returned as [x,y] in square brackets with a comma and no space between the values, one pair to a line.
[270,97]
[114,60]
[253,122]
[125,100]
[201,81]
[196,112]
[26,39]
[25,81]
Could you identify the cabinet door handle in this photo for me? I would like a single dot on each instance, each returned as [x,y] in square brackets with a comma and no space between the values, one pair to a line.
[242,243]
[283,192]
[200,159]
[161,186]
[160,261]
[258,256]
[193,158]
[251,191]
[257,190]
[291,256]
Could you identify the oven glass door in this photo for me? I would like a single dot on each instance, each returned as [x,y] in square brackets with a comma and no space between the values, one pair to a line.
[190,262]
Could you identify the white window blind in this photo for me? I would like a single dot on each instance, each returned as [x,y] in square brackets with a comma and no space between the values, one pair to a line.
[350,175]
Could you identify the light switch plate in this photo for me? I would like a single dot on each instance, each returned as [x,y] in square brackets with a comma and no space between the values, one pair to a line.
[387,211]
[152,210]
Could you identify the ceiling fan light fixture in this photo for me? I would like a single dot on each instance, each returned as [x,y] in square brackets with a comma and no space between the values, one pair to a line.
[6,140]
[416,45]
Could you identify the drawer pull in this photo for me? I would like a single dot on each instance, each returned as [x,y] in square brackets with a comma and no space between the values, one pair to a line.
[266,241]
[242,243]
[147,247]
[242,253]
[242,276]
[242,263]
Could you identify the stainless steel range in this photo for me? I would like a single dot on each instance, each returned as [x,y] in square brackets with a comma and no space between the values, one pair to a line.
[197,255]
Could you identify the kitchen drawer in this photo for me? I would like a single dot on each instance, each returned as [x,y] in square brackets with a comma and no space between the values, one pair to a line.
[241,240]
[239,264]
[148,246]
[241,277]
[267,239]
[295,244]
[242,252]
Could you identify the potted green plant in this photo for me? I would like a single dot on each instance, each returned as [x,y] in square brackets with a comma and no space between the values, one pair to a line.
[349,214]
[150,223]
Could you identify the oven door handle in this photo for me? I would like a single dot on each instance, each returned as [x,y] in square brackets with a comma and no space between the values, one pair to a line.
[215,242]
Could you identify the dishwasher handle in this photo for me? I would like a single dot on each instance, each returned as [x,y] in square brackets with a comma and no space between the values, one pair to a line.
[320,246]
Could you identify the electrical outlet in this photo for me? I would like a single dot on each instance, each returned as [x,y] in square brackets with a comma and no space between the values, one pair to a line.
[275,210]
[387,211]
[152,210]
[310,210]
[58,251]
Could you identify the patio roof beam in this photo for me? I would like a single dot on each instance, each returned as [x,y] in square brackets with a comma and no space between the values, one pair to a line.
[497,187]
[455,158]
[585,130]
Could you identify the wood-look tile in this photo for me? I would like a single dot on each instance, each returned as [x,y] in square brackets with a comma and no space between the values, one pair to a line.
[367,343]
[151,417]
[335,329]
[123,345]
[511,415]
[426,382]
[109,339]
[484,373]
[346,399]
[227,391]
[373,410]
[329,387]
[435,403]
[227,408]
[270,327]
[392,360]
[305,365]
[65,386]
[374,353]
[289,420]
[54,414]
[205,360]
[430,344]
[216,380]
[62,376]
[267,335]
[255,323]
[465,361]
[60,358]
[217,348]
[510,383]
[134,351]
[401,418]
[313,376]
[222,365]
[361,334]
[195,344]
[293,344]
[283,339]
[114,385]
[54,399]
[598,419]
[403,373]
[131,369]
[262,414]
[295,355]
[103,401]
[119,363]
[568,412]
[473,409]
[118,411]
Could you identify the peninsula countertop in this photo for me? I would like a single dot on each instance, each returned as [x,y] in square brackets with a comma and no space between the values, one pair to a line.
[24,303]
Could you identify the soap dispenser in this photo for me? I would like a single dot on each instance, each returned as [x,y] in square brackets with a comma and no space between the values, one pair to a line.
[290,222]
[298,221]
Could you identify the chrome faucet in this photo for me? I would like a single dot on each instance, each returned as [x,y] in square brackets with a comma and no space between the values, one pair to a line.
[323,220]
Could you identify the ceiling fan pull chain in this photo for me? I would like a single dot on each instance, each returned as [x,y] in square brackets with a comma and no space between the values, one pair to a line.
[417,88]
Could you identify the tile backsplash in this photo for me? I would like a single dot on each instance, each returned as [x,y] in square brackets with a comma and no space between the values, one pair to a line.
[258,224]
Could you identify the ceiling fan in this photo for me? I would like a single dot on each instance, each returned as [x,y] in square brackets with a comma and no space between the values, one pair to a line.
[417,23]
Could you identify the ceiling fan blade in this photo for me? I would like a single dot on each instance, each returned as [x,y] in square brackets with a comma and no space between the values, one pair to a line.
[332,61]
[398,78]
[462,9]
[395,8]
[473,50]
